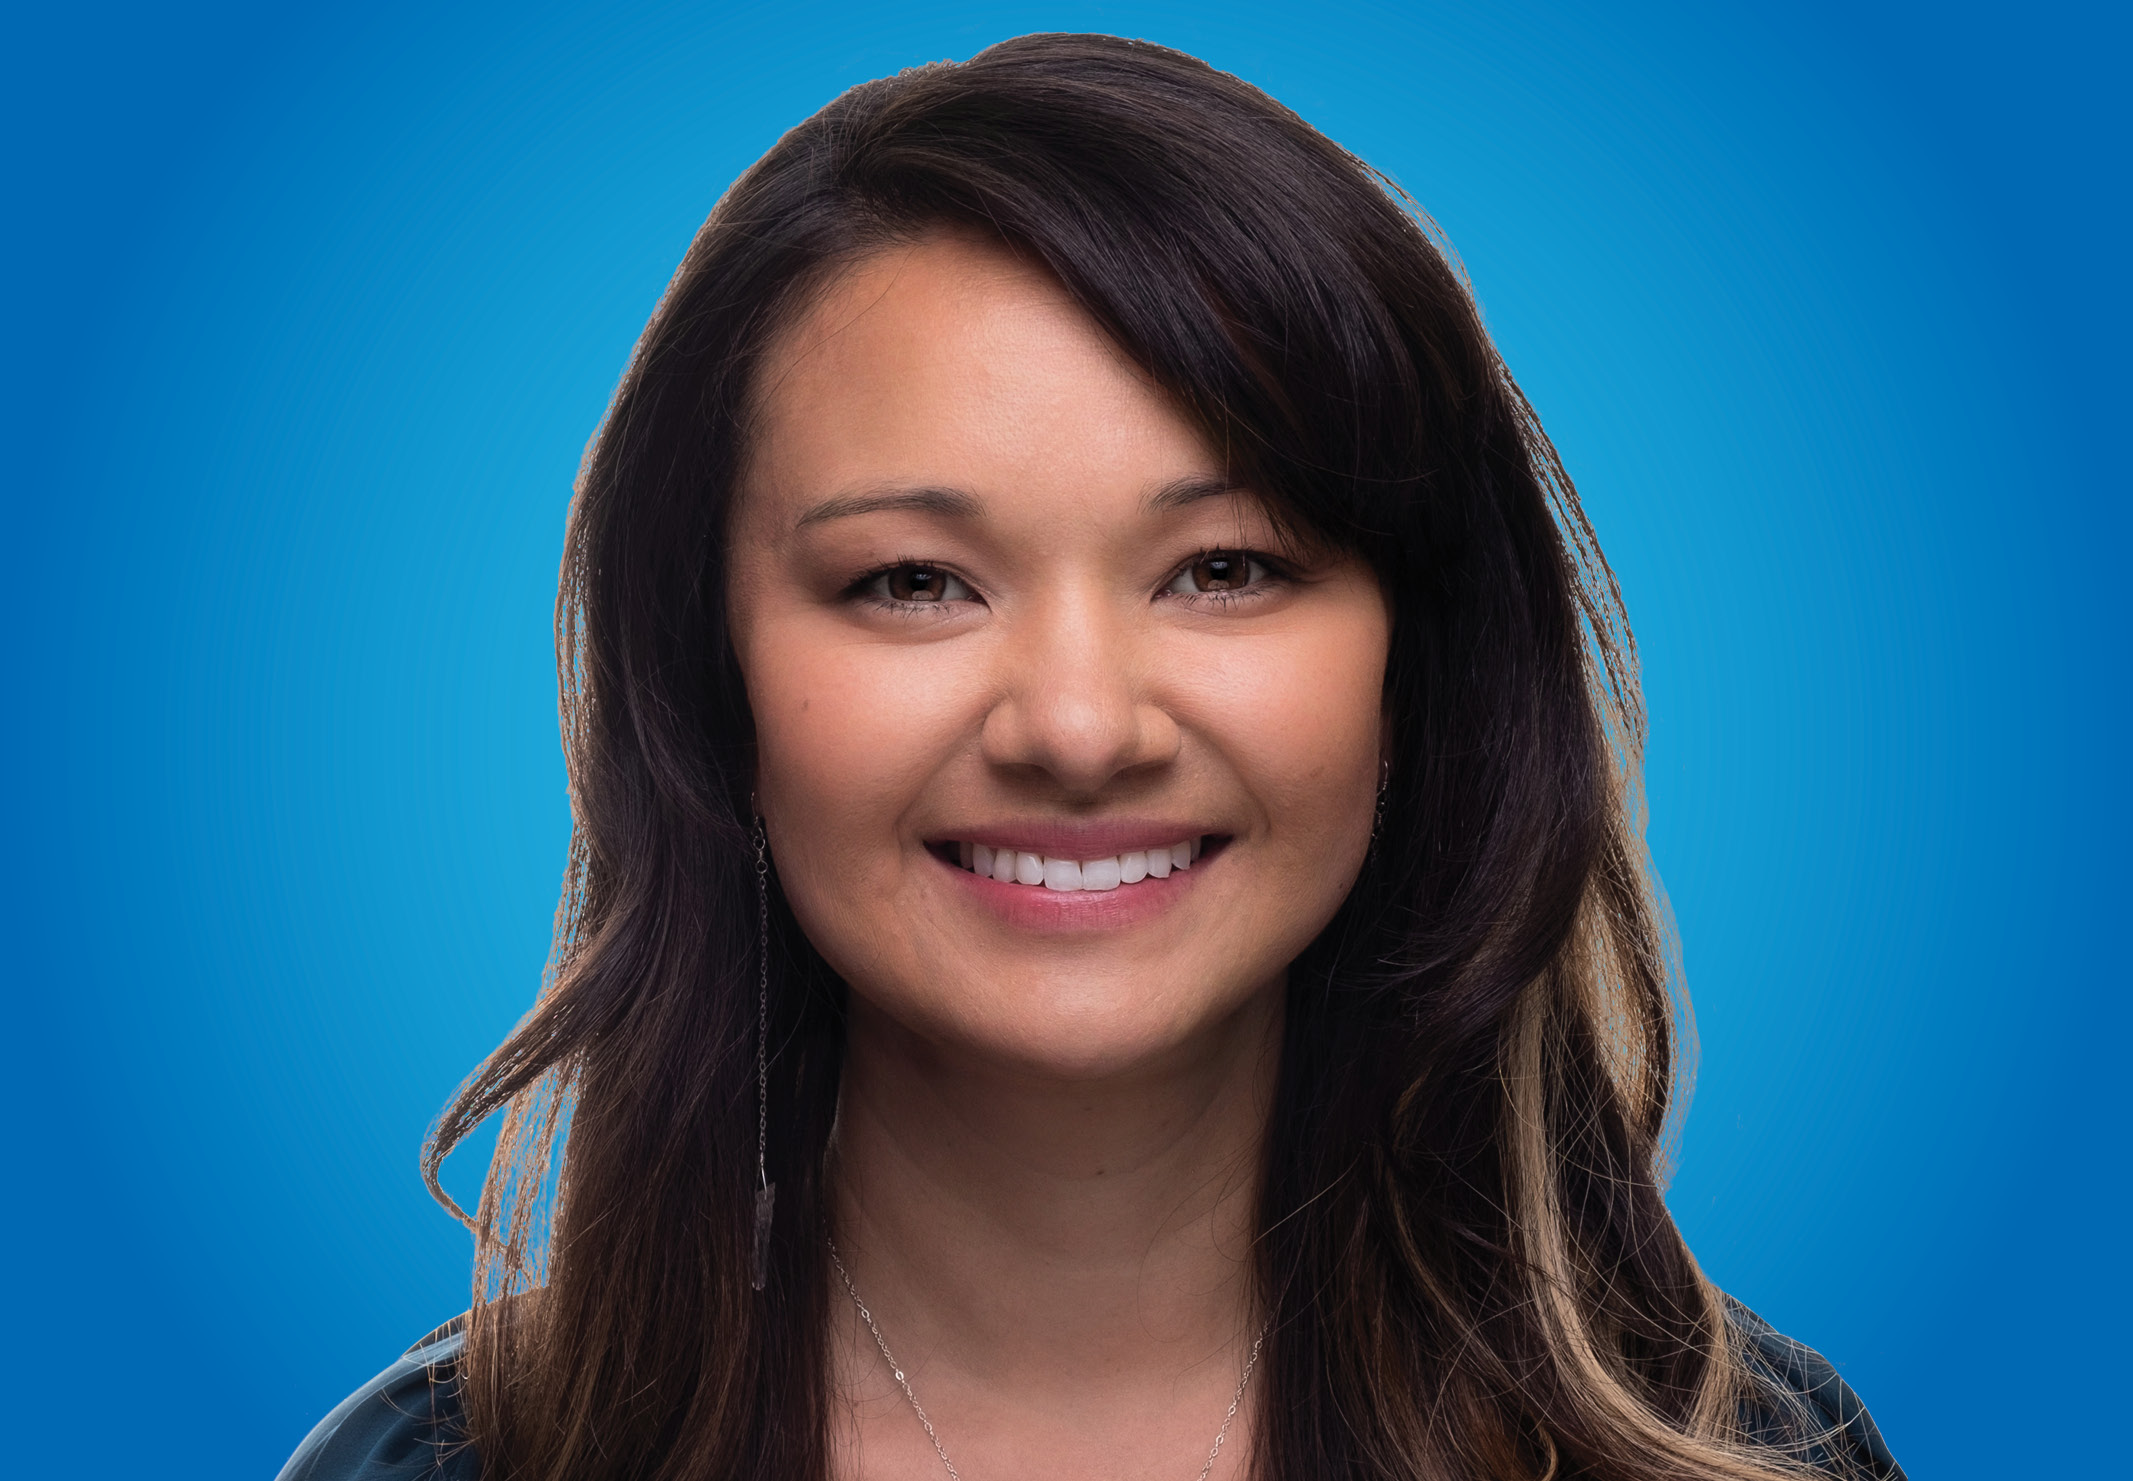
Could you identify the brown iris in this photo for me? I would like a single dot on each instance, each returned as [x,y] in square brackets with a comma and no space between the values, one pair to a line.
[917,583]
[1221,570]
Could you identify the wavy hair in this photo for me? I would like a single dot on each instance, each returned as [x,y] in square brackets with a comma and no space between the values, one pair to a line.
[1462,1243]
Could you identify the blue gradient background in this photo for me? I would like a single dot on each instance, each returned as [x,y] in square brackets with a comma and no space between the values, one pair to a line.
[309,314]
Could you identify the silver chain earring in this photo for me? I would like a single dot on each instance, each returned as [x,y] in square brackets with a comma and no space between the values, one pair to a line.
[766,1192]
[1377,817]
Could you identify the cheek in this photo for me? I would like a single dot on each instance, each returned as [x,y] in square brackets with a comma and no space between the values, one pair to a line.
[846,740]
[821,748]
[1299,719]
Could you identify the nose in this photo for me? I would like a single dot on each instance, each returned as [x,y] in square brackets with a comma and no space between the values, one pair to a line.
[1075,697]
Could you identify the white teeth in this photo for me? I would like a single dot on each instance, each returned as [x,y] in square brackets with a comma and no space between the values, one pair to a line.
[1012,866]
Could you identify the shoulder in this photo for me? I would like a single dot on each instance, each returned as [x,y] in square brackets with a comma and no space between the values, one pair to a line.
[400,1426]
[403,1425]
[1797,1403]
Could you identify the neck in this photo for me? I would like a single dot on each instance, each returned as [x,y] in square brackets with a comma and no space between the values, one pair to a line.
[1082,1232]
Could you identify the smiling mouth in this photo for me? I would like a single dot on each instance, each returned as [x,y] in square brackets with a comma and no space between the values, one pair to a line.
[1069,876]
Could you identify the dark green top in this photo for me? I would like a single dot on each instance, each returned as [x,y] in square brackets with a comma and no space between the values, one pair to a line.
[401,1426]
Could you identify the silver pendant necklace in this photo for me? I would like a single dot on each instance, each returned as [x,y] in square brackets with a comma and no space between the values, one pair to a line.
[896,1371]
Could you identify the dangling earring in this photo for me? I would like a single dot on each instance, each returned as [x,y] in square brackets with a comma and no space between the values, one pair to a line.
[1377,818]
[766,1192]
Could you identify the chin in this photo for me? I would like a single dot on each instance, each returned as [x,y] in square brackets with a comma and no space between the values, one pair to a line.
[1069,1032]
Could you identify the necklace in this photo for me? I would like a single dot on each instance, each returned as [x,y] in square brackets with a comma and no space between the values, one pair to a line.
[897,1372]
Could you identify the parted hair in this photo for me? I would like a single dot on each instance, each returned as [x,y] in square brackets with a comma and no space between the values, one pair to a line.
[1462,1246]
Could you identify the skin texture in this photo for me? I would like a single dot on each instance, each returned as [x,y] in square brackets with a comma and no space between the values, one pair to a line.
[1046,1155]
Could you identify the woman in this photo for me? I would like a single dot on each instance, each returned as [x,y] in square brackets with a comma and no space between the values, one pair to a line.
[1106,934]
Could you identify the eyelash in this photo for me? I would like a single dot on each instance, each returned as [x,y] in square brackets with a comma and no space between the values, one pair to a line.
[1274,574]
[858,591]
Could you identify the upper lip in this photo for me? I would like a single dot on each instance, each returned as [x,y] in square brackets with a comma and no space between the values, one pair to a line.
[1096,839]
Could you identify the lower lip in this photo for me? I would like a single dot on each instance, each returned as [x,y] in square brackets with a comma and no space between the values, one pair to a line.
[1029,907]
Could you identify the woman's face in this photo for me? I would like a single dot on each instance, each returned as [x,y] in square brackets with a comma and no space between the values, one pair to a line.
[996,606]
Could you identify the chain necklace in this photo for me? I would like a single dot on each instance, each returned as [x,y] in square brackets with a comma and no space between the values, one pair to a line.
[896,1371]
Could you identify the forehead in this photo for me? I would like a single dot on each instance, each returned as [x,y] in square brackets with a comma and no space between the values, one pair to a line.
[953,362]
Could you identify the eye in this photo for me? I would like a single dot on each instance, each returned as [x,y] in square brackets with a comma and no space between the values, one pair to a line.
[1220,572]
[915,583]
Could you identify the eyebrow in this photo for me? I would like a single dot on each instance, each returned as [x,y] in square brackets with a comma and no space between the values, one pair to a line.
[1180,492]
[954,503]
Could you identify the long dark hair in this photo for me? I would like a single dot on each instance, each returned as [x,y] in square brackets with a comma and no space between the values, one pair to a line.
[1463,1246]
